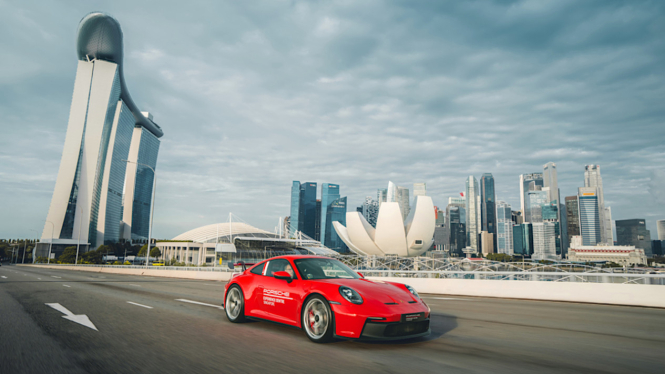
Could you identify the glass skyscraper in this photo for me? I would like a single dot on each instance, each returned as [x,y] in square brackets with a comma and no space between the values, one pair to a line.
[488,205]
[336,211]
[589,215]
[504,228]
[528,182]
[592,178]
[634,232]
[329,194]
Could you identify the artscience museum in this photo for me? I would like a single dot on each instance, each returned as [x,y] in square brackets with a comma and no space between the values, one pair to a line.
[392,235]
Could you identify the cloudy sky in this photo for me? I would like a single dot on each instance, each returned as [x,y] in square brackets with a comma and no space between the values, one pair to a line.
[253,95]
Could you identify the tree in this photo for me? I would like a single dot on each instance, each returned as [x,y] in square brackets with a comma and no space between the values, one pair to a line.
[68,256]
[155,252]
[143,250]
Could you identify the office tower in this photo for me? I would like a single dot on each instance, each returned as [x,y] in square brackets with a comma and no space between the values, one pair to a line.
[525,181]
[592,178]
[572,217]
[87,199]
[589,215]
[517,217]
[370,210]
[660,229]
[403,201]
[634,232]
[419,189]
[550,180]
[461,201]
[544,241]
[391,193]
[381,196]
[523,239]
[472,212]
[488,205]
[294,225]
[329,193]
[534,207]
[303,209]
[657,247]
[504,228]
[335,212]
[317,221]
[457,229]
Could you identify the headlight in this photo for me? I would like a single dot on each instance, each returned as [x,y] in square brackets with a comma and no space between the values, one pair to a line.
[350,295]
[413,291]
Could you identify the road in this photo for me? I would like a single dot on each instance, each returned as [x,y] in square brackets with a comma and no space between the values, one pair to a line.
[161,333]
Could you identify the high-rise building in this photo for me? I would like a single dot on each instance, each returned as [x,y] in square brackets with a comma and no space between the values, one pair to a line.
[589,215]
[572,217]
[335,212]
[294,225]
[525,181]
[381,195]
[440,217]
[303,209]
[550,180]
[419,189]
[523,239]
[486,242]
[87,199]
[535,201]
[403,201]
[455,217]
[488,205]
[592,178]
[544,241]
[472,212]
[317,221]
[370,210]
[660,229]
[634,232]
[504,228]
[391,193]
[329,193]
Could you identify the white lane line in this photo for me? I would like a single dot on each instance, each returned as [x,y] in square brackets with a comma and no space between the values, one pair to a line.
[145,306]
[135,285]
[55,276]
[199,303]
[39,278]
[64,285]
[4,277]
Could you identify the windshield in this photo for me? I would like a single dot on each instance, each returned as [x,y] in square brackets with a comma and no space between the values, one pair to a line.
[324,268]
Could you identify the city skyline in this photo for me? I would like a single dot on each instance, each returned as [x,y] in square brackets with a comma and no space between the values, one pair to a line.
[340,93]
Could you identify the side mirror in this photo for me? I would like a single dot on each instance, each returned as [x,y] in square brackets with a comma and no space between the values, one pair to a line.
[361,275]
[283,276]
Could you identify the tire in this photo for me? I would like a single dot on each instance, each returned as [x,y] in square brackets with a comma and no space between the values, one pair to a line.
[318,320]
[234,305]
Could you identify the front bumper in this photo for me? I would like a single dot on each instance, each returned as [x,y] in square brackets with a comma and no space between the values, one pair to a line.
[395,330]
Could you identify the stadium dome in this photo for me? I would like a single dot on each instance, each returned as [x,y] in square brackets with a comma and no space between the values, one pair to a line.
[223,230]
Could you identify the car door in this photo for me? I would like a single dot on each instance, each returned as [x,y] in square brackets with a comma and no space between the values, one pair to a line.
[251,288]
[280,299]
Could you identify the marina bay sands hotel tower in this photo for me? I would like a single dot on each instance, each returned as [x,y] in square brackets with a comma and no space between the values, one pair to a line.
[99,198]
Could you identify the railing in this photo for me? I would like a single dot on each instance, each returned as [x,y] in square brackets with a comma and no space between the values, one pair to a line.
[618,278]
[179,268]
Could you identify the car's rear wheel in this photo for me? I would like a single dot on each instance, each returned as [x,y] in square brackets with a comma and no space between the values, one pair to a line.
[235,305]
[317,320]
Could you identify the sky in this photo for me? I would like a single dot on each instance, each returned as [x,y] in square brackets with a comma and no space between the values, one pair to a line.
[253,95]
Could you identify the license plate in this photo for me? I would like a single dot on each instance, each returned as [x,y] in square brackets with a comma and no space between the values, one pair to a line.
[411,317]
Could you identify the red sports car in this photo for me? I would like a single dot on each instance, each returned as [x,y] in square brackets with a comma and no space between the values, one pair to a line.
[327,299]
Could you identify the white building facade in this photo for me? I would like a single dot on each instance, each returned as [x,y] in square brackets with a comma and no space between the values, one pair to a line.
[620,254]
[504,228]
[472,212]
[544,241]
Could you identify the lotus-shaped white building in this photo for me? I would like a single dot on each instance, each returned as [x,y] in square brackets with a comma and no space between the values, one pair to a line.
[392,236]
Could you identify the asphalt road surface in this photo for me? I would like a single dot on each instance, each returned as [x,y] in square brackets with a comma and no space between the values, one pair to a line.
[144,326]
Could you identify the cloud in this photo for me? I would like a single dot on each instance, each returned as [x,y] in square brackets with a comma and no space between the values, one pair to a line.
[252,96]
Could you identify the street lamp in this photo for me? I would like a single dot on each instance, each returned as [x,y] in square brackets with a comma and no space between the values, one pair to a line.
[152,207]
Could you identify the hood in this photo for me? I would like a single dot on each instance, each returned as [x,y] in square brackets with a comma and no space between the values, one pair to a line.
[377,290]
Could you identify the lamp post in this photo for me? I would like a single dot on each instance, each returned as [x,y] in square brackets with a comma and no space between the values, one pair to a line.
[152,207]
[50,244]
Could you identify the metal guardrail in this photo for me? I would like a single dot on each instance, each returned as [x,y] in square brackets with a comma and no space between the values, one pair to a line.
[179,268]
[653,279]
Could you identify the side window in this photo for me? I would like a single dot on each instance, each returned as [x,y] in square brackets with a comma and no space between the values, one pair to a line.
[258,269]
[276,265]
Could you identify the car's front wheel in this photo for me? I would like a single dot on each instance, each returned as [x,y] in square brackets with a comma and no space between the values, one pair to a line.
[317,320]
[235,305]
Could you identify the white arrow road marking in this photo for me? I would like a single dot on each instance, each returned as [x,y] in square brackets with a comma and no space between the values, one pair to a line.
[199,303]
[64,285]
[4,277]
[145,306]
[39,278]
[81,319]
[55,276]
